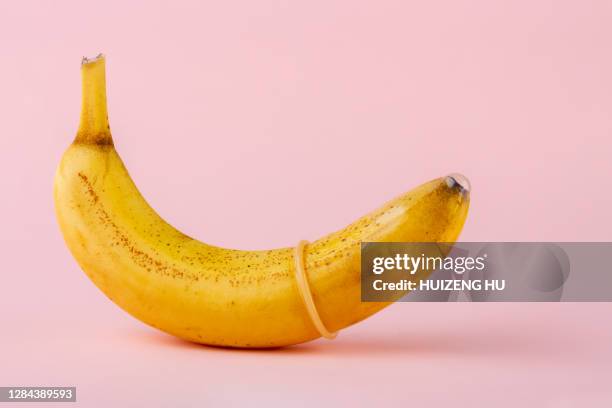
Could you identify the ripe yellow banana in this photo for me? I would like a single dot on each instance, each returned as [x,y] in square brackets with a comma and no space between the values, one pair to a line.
[213,295]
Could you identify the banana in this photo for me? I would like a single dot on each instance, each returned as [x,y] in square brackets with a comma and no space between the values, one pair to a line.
[212,295]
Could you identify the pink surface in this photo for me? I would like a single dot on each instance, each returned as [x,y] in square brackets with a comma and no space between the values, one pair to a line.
[256,124]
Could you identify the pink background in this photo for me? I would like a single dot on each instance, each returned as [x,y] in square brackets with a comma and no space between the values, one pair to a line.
[256,124]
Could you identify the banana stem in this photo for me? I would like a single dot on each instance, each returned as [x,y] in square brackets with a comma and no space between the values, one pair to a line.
[94,127]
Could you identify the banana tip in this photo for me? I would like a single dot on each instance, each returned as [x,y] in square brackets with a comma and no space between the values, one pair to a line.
[456,179]
[88,60]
